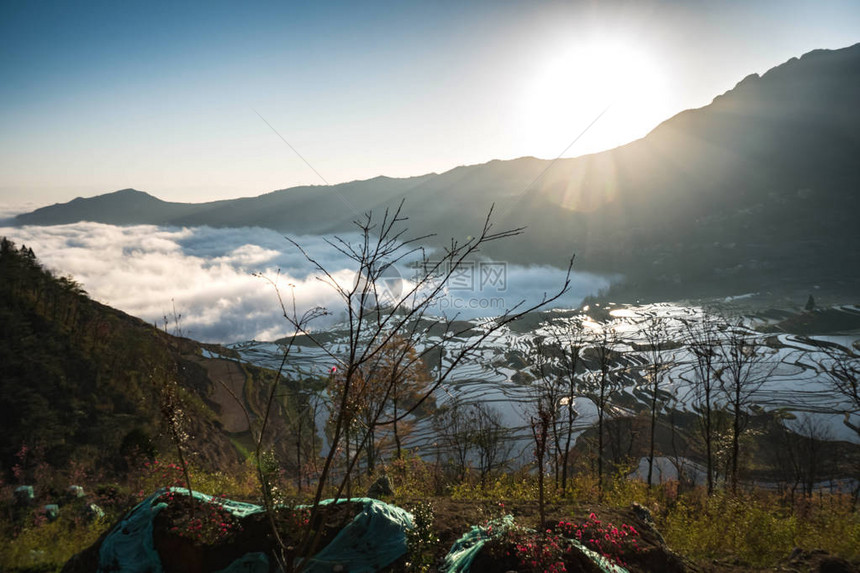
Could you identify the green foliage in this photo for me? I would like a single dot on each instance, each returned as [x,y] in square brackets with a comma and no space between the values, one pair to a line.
[832,522]
[239,484]
[622,491]
[514,486]
[137,444]
[162,473]
[29,541]
[760,529]
[72,367]
[46,546]
[421,540]
[81,381]
[412,477]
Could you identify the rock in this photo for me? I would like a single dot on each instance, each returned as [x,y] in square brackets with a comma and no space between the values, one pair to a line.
[24,495]
[379,488]
[642,512]
[74,492]
[93,512]
[52,511]
[644,515]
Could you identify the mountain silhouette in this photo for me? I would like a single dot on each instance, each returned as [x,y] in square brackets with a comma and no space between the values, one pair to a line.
[756,190]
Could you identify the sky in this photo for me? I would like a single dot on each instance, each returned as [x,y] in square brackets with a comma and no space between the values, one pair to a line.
[193,101]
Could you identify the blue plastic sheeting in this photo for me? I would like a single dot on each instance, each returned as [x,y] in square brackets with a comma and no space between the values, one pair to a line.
[459,559]
[375,538]
[605,564]
[464,550]
[128,547]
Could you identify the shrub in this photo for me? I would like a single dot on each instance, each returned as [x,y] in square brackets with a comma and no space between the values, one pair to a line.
[46,546]
[421,540]
[611,542]
[536,552]
[762,528]
[208,524]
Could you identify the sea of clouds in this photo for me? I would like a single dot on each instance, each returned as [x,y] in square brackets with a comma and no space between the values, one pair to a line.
[222,281]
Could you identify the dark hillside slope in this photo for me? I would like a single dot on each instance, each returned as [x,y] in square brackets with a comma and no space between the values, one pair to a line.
[759,188]
[80,380]
[303,210]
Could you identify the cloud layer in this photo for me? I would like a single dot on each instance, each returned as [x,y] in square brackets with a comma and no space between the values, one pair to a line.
[212,277]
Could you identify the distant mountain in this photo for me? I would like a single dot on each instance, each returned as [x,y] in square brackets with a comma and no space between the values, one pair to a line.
[299,210]
[757,190]
[81,381]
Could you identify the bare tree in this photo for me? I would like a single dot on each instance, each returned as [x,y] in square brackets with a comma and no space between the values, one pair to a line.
[804,452]
[454,429]
[401,359]
[377,314]
[305,433]
[395,380]
[571,342]
[367,397]
[490,438]
[473,432]
[540,432]
[602,384]
[548,397]
[173,413]
[842,367]
[744,368]
[704,342]
[657,340]
[677,443]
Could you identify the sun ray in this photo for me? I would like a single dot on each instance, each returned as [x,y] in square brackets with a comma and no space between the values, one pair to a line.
[578,82]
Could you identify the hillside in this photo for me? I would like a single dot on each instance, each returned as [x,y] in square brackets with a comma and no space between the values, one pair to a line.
[756,191]
[82,381]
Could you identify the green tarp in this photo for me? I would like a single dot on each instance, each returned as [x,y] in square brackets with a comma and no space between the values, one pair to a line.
[375,538]
[465,549]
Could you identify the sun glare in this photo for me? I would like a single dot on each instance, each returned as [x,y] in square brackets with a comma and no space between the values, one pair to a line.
[575,85]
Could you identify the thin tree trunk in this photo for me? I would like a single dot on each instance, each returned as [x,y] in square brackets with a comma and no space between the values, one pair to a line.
[653,427]
[397,445]
[736,437]
[600,444]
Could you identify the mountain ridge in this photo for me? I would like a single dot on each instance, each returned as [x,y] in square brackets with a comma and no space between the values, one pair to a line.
[768,166]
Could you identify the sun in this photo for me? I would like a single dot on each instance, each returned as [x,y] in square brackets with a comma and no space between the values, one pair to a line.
[576,84]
